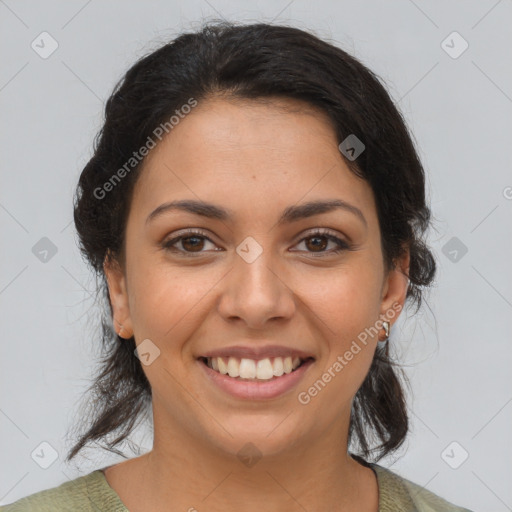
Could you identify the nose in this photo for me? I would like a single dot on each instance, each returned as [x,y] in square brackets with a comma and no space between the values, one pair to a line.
[256,291]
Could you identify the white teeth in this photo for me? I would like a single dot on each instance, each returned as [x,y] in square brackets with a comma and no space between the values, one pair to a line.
[223,367]
[278,366]
[247,369]
[233,367]
[263,369]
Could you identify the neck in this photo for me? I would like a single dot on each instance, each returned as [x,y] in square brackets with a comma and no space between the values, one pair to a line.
[189,475]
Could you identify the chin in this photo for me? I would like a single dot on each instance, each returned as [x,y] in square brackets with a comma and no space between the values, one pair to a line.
[256,435]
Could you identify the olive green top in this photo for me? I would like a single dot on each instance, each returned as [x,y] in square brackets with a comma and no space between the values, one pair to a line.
[92,493]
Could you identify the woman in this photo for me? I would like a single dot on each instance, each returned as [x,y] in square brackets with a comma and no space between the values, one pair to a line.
[255,210]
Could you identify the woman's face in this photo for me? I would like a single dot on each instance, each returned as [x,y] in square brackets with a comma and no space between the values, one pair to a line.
[256,283]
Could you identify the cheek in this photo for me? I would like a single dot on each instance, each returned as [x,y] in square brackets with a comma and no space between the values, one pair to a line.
[169,301]
[345,311]
[347,301]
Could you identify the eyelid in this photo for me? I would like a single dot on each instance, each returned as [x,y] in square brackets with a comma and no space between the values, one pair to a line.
[309,232]
[321,231]
[185,233]
[339,240]
[190,231]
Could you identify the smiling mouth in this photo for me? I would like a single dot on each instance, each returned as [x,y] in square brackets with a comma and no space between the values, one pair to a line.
[253,369]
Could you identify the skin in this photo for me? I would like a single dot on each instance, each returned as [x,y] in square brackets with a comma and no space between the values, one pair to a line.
[256,159]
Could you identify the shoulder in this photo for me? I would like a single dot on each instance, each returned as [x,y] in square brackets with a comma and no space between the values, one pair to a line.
[86,493]
[399,494]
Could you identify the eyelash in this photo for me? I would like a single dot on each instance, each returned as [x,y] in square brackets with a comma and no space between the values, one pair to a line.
[342,245]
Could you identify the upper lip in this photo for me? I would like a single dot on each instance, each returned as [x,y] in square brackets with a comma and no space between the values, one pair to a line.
[252,352]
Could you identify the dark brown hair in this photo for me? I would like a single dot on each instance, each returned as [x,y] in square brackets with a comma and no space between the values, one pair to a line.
[255,61]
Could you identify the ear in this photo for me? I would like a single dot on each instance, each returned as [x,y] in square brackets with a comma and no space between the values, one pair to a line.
[394,289]
[118,296]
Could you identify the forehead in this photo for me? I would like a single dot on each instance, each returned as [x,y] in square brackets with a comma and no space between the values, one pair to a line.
[249,153]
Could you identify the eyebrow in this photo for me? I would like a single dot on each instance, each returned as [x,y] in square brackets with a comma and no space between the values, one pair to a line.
[291,214]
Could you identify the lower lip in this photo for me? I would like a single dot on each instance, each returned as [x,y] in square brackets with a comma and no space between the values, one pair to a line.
[257,390]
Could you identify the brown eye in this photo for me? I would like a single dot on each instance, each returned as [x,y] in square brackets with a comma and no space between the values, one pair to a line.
[318,241]
[192,242]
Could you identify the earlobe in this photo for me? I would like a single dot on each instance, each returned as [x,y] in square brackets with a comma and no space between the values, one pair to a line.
[118,294]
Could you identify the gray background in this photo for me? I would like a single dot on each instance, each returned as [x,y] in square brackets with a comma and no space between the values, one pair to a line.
[458,354]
